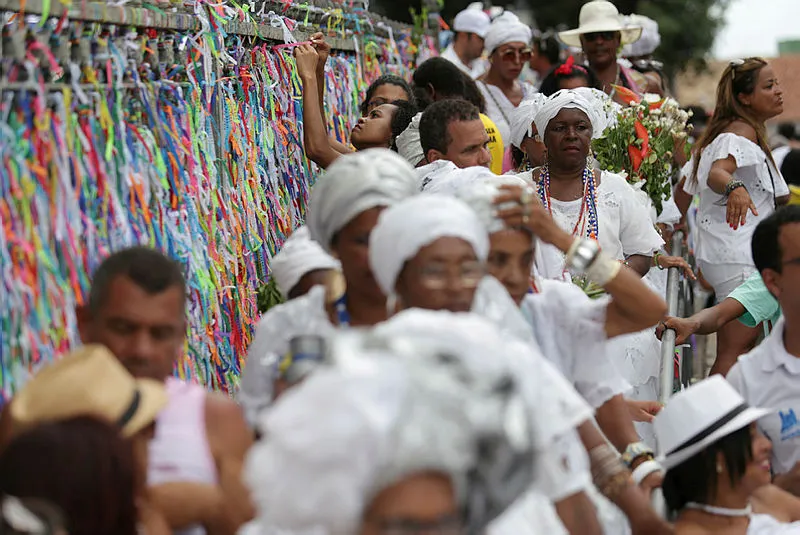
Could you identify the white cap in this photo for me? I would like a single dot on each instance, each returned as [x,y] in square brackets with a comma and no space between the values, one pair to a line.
[472,21]
[648,42]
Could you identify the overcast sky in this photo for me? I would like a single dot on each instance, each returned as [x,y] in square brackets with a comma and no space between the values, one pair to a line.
[754,28]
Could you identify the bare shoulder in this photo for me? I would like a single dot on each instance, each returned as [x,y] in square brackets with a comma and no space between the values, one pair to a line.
[226,426]
[741,128]
[220,408]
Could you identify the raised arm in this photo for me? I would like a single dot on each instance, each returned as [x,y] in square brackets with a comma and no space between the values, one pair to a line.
[323,49]
[633,305]
[315,135]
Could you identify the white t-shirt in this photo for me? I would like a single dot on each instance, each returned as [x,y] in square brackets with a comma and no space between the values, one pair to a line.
[624,223]
[768,377]
[570,330]
[476,69]
[717,242]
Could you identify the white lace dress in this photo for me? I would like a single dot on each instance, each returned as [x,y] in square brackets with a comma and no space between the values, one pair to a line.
[625,229]
[499,108]
[723,254]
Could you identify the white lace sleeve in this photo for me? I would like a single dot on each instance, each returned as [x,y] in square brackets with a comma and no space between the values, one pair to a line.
[570,323]
[744,152]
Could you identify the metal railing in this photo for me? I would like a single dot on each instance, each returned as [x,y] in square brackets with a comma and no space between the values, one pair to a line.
[678,295]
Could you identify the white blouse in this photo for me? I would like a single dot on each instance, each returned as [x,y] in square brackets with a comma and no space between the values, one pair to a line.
[570,329]
[717,242]
[624,224]
[499,108]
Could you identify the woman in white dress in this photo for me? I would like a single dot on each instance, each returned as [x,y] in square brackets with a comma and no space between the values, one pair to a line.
[738,185]
[508,45]
[600,206]
[344,207]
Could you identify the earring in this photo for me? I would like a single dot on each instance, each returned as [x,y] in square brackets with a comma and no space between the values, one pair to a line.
[719,468]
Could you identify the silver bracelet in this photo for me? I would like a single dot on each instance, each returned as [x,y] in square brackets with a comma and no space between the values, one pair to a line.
[581,255]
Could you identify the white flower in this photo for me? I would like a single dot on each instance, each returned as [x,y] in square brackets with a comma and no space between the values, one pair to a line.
[651,98]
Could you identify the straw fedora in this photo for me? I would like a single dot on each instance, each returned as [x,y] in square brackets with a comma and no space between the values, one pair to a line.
[600,16]
[699,416]
[89,382]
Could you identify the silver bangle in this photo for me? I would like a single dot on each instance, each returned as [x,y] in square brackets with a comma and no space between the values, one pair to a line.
[581,255]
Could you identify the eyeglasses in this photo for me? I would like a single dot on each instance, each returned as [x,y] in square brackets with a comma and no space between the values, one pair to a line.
[450,525]
[513,55]
[605,36]
[438,277]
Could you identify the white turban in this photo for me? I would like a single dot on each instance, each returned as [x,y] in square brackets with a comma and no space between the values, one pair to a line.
[522,118]
[353,184]
[377,416]
[477,187]
[568,98]
[408,143]
[507,28]
[298,256]
[648,42]
[410,225]
[432,172]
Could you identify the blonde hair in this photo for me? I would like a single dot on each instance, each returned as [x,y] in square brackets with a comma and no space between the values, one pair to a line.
[739,78]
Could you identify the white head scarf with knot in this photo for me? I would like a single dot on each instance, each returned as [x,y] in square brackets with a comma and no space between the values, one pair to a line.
[376,416]
[648,42]
[568,98]
[432,172]
[353,184]
[298,256]
[408,143]
[507,28]
[522,118]
[410,225]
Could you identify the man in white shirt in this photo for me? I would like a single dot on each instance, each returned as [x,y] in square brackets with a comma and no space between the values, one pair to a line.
[769,376]
[470,27]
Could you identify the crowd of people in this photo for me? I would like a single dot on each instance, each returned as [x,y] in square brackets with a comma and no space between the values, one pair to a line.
[439,365]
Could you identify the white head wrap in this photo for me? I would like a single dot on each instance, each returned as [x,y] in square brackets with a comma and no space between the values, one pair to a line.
[507,28]
[377,416]
[430,173]
[568,98]
[353,184]
[472,21]
[522,118]
[410,225]
[648,42]
[477,187]
[408,143]
[298,256]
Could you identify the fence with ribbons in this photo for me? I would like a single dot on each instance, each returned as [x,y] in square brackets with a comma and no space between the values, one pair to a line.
[172,125]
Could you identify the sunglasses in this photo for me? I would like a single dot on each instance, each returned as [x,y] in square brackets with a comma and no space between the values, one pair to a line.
[513,55]
[605,36]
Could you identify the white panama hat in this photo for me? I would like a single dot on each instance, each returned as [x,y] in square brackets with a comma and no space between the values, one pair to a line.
[600,16]
[699,416]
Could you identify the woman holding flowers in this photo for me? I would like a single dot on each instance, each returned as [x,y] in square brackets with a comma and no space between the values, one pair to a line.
[603,207]
[738,185]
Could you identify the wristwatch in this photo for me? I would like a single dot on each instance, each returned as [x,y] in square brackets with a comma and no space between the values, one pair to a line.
[635,451]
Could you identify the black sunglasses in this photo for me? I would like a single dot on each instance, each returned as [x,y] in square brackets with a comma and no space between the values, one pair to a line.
[605,36]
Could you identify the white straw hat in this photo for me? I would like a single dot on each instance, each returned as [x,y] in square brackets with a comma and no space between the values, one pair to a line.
[600,16]
[699,416]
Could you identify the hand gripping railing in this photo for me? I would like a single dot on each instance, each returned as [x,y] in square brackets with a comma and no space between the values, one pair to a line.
[674,306]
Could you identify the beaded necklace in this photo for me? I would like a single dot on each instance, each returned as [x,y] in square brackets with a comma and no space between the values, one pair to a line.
[587,223]
[342,315]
